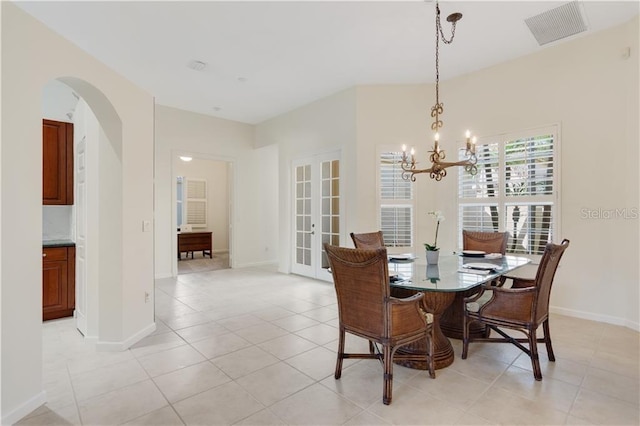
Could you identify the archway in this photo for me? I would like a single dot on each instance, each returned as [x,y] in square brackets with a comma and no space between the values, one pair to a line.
[97,211]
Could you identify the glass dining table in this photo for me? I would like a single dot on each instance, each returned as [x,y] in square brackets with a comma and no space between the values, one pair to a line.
[454,276]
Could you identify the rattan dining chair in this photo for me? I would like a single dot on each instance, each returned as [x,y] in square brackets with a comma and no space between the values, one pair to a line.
[366,309]
[523,307]
[368,240]
[490,242]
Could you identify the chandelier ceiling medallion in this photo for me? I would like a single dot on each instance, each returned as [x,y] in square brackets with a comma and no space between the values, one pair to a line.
[438,167]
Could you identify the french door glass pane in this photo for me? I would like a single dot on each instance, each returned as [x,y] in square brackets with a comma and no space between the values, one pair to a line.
[303,215]
[330,202]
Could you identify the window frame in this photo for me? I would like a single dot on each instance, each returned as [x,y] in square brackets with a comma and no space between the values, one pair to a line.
[503,201]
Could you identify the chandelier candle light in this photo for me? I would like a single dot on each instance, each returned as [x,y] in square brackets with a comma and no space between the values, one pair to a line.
[438,167]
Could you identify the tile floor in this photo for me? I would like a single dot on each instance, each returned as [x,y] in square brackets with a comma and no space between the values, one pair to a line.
[254,347]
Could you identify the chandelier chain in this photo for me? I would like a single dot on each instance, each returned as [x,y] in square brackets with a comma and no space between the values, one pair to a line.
[438,108]
[440,35]
[437,156]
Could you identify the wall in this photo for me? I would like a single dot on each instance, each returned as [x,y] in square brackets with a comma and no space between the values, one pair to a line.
[322,126]
[57,223]
[32,55]
[216,175]
[584,85]
[254,193]
[587,88]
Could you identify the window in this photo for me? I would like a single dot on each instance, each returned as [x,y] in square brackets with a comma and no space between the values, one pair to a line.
[192,202]
[396,202]
[514,190]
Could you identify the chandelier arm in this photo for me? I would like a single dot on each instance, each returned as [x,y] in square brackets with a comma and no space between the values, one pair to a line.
[445,164]
[420,171]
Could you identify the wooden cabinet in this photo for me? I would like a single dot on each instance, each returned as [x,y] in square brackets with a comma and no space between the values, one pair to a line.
[57,163]
[58,282]
[195,241]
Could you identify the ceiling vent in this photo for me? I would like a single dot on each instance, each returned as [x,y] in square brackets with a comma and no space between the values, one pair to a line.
[558,23]
[197,65]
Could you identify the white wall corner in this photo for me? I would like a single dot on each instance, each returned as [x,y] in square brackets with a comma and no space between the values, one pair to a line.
[102,346]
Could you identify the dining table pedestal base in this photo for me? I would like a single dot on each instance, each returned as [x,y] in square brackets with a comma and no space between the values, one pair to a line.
[436,303]
[452,319]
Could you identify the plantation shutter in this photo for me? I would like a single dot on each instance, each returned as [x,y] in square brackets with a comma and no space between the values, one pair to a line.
[478,207]
[529,188]
[196,202]
[396,202]
[514,189]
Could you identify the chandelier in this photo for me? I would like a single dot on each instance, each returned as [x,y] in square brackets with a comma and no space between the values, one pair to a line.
[438,166]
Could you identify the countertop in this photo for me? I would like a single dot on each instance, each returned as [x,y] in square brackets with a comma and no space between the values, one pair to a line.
[58,243]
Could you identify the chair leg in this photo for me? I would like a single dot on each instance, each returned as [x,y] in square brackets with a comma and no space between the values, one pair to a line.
[388,374]
[465,336]
[338,372]
[430,364]
[535,359]
[371,350]
[547,340]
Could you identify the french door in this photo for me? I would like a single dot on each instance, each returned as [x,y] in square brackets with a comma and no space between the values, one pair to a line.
[316,213]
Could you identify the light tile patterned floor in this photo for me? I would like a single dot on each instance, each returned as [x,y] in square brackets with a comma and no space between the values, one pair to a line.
[254,347]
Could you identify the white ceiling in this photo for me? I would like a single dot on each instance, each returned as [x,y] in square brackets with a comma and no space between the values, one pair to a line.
[294,52]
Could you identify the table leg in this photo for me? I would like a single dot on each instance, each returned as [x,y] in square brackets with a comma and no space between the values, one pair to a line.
[436,303]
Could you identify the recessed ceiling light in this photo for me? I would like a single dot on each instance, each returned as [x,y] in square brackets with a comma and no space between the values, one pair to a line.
[197,65]
[242,79]
[185,158]
[216,108]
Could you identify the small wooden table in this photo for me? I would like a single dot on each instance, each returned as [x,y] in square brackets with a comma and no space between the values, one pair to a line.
[440,283]
[195,241]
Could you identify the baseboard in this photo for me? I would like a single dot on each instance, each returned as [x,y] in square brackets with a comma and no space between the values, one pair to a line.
[162,276]
[15,415]
[125,344]
[253,264]
[595,317]
[92,340]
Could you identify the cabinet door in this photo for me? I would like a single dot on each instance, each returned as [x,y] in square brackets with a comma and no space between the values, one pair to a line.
[58,282]
[57,163]
[55,299]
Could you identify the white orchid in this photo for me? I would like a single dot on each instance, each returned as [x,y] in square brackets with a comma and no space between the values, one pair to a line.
[439,218]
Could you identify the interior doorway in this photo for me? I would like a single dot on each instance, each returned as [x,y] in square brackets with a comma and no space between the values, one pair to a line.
[203,194]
